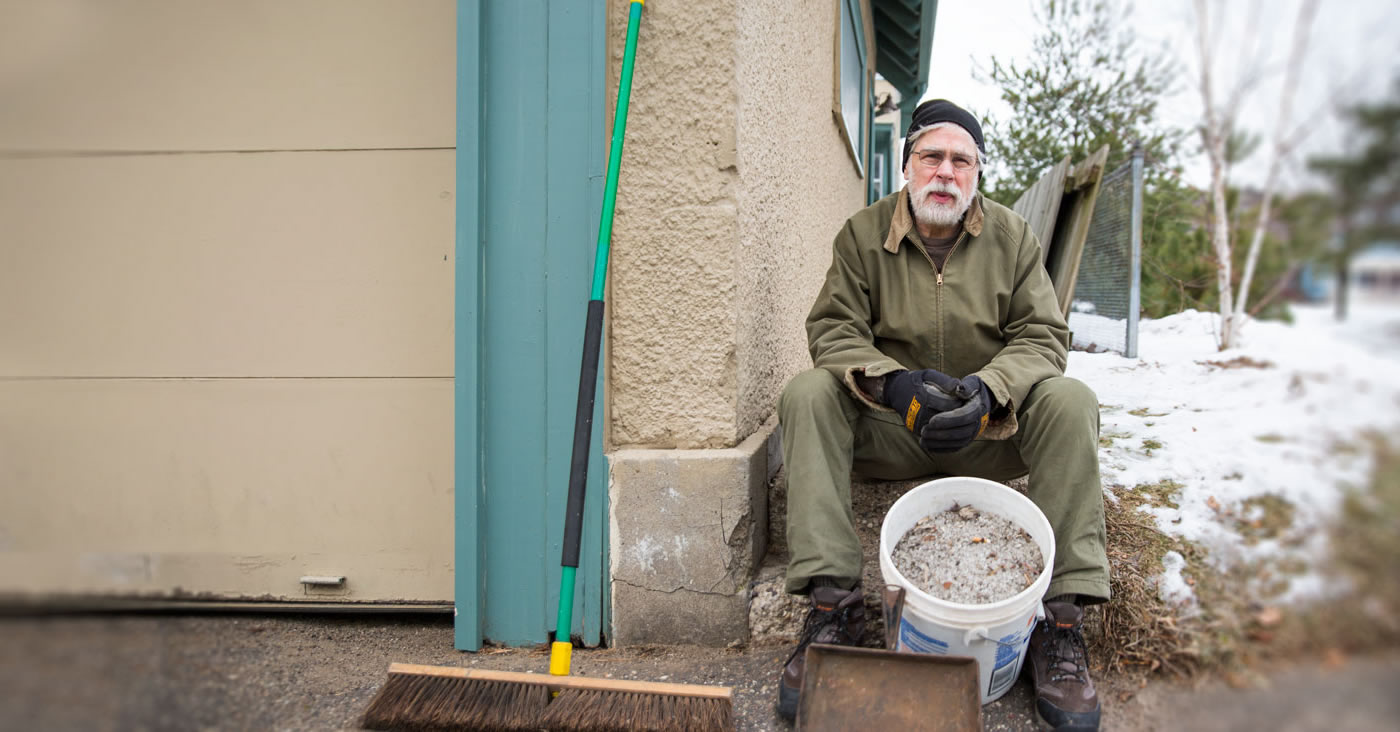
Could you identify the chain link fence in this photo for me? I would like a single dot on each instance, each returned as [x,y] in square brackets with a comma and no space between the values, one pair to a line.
[1104,311]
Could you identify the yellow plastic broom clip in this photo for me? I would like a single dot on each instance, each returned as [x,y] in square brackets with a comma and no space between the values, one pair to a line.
[560,655]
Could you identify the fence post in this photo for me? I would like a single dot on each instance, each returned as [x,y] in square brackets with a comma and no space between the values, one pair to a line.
[1135,289]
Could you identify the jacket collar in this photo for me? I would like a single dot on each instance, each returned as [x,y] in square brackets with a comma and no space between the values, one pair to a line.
[903,221]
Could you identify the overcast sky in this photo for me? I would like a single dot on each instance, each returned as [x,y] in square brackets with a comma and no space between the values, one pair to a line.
[1352,53]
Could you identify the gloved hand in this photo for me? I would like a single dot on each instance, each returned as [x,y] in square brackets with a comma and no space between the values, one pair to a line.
[954,429]
[919,395]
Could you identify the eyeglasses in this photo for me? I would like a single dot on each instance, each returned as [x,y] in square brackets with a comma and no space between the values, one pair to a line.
[933,159]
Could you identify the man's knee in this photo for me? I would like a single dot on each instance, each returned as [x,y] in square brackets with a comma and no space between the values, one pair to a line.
[813,389]
[1064,397]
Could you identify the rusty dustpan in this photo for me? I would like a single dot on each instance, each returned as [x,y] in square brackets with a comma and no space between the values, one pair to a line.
[848,688]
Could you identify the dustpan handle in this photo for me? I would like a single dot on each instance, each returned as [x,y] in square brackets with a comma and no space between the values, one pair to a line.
[892,603]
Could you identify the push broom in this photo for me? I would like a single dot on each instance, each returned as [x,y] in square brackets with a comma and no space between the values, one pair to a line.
[445,697]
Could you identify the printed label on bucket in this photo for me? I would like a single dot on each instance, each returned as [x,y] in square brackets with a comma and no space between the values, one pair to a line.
[1010,650]
[916,641]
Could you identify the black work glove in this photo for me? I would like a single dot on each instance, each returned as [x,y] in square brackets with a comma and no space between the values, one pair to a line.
[954,429]
[919,395]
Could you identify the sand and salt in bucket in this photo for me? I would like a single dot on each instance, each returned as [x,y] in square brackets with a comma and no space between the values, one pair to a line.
[972,578]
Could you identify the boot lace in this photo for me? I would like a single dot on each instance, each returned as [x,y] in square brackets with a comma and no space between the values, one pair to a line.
[819,620]
[1068,655]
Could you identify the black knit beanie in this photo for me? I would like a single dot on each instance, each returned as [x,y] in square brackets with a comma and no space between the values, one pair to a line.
[941,110]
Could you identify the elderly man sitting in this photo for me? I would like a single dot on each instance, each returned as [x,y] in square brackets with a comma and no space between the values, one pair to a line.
[939,348]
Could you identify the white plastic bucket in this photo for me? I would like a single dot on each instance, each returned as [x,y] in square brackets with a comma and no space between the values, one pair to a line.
[995,634]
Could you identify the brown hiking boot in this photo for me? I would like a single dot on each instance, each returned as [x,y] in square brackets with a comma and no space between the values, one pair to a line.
[837,616]
[1059,663]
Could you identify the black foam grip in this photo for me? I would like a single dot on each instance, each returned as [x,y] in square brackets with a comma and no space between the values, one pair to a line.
[583,433]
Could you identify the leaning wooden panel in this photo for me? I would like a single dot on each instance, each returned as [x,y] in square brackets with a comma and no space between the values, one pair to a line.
[228,265]
[1040,204]
[1077,204]
[247,75]
[232,488]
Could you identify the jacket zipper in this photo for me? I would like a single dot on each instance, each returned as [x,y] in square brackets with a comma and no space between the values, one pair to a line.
[938,294]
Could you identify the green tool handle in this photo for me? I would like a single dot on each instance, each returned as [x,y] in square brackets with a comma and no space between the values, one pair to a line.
[588,372]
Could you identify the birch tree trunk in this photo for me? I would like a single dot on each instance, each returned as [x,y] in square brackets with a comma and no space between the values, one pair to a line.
[1283,144]
[1215,129]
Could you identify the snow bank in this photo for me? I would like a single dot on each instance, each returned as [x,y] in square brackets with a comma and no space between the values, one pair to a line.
[1281,415]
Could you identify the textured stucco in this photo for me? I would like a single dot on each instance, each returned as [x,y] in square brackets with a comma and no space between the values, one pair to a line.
[798,184]
[672,314]
[734,181]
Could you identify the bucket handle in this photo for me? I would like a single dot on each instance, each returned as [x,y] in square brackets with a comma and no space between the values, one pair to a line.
[980,634]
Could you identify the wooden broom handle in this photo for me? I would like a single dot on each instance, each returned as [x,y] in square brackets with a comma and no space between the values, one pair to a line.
[566,682]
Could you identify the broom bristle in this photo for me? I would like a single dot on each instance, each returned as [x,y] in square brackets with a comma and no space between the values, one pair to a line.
[419,702]
[592,710]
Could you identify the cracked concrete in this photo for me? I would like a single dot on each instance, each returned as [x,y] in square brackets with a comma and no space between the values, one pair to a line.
[676,579]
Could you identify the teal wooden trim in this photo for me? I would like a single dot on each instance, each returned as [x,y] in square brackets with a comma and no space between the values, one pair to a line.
[521,555]
[594,598]
[531,93]
[858,20]
[574,187]
[855,112]
[914,93]
[882,147]
[539,89]
[928,16]
[466,446]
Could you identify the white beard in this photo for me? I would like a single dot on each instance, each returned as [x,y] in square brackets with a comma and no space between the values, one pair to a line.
[930,213]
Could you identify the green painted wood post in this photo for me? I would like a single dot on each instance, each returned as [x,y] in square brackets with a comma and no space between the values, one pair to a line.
[531,99]
[467,580]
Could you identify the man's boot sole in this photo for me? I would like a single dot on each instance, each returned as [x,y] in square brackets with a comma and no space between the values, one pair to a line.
[1086,722]
[787,701]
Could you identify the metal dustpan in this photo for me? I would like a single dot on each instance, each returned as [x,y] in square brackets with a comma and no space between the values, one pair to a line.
[846,688]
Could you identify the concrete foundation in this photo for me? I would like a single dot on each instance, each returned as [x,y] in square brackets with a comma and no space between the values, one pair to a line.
[689,529]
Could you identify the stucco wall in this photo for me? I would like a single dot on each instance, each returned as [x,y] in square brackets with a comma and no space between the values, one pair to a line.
[733,183]
[798,184]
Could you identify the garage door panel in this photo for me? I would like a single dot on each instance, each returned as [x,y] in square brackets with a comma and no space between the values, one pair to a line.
[277,264]
[228,486]
[247,75]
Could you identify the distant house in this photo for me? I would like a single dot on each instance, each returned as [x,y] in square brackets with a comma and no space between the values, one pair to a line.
[1375,273]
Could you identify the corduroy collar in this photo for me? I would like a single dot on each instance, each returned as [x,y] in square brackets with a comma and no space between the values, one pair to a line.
[903,220]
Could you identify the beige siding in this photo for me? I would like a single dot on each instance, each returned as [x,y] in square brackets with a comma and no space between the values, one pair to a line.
[268,264]
[254,481]
[226,273]
[221,75]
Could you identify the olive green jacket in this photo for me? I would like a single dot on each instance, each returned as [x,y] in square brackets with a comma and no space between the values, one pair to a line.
[991,311]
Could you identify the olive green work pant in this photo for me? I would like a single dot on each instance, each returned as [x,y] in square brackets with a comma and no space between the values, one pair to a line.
[827,433]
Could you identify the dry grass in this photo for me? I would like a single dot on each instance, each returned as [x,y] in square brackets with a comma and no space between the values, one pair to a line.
[1138,633]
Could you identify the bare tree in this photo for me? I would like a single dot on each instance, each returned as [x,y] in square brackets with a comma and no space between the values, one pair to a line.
[1217,129]
[1283,144]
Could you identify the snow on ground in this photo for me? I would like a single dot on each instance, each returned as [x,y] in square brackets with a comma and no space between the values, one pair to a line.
[1282,415]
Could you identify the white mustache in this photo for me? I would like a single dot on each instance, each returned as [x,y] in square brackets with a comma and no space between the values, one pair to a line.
[934,186]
